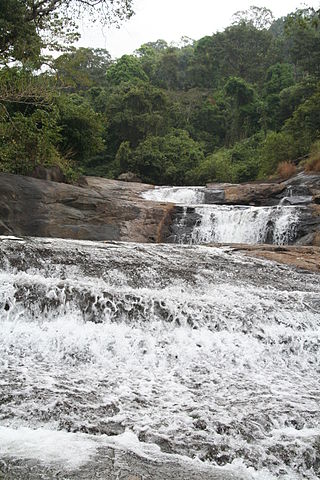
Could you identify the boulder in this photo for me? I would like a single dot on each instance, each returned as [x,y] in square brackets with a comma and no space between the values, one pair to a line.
[254,194]
[309,225]
[54,173]
[129,177]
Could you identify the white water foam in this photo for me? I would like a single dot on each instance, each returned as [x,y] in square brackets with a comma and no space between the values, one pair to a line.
[179,195]
[215,359]
[225,223]
[69,449]
[251,225]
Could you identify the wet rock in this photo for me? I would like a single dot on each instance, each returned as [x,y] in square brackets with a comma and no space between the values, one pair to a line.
[302,257]
[117,464]
[214,196]
[200,424]
[102,209]
[104,428]
[308,228]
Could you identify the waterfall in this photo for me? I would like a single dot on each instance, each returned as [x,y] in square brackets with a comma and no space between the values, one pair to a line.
[180,195]
[198,363]
[225,224]
[199,222]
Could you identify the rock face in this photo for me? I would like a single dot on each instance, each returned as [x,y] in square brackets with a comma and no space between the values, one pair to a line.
[297,190]
[100,210]
[301,190]
[251,194]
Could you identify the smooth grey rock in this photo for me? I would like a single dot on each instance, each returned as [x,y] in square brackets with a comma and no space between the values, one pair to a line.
[129,177]
[101,209]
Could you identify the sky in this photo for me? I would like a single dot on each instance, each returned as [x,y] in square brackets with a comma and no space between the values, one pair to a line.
[172,19]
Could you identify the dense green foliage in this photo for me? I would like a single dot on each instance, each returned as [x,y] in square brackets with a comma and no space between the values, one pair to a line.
[228,107]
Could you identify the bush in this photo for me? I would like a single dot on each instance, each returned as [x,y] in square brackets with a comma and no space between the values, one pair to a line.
[163,160]
[277,147]
[215,168]
[286,170]
[28,141]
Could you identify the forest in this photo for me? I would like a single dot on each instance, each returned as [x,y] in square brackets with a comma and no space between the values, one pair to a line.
[239,105]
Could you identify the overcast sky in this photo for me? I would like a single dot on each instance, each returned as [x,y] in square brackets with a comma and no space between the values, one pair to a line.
[172,19]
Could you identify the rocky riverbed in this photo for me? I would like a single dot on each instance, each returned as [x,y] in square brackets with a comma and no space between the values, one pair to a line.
[143,362]
[102,209]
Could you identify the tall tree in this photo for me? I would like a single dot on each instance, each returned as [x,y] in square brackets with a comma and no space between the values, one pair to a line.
[126,69]
[240,50]
[303,31]
[82,68]
[259,17]
[244,109]
[28,25]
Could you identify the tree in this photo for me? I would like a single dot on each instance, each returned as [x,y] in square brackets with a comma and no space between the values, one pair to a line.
[304,125]
[240,51]
[36,125]
[259,17]
[19,38]
[292,97]
[29,140]
[26,26]
[133,111]
[277,147]
[81,128]
[167,159]
[82,68]
[209,121]
[171,70]
[303,32]
[278,78]
[126,69]
[205,68]
[244,109]
[151,48]
[148,55]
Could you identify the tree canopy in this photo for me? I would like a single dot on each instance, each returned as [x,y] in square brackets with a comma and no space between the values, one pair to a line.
[226,107]
[26,26]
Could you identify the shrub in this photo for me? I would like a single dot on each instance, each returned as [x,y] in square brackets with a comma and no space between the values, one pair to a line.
[217,167]
[278,147]
[286,170]
[28,141]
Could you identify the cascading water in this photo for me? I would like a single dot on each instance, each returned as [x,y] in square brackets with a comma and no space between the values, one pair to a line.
[191,358]
[198,222]
[225,224]
[181,195]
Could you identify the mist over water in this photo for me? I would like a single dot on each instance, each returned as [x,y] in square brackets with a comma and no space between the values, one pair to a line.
[183,351]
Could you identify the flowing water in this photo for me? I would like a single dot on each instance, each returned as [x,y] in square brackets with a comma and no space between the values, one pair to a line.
[198,222]
[180,195]
[191,354]
[237,224]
